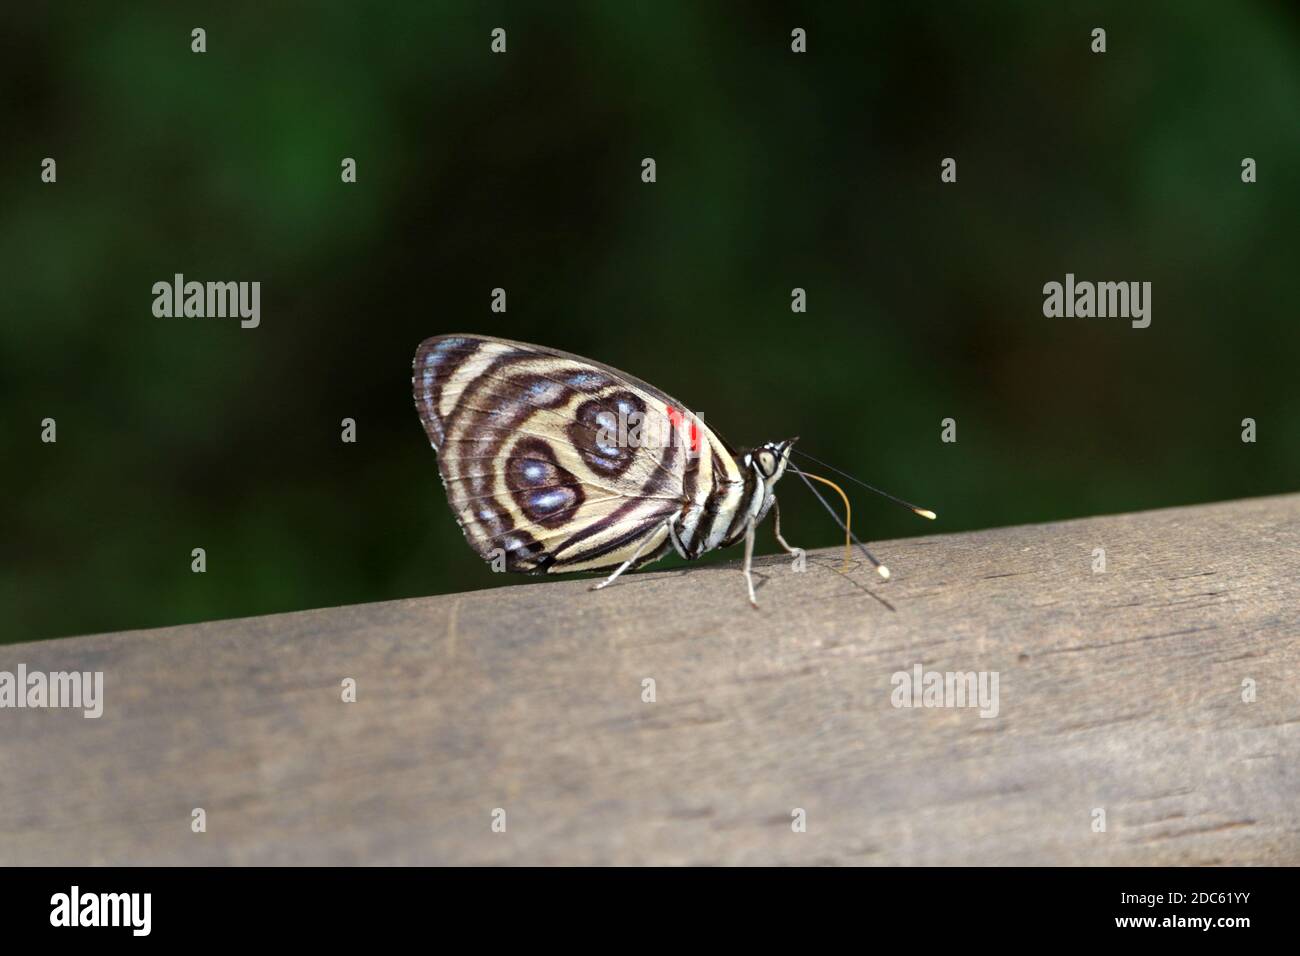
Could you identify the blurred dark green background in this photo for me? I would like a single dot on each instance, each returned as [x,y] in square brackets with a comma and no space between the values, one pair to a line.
[522,171]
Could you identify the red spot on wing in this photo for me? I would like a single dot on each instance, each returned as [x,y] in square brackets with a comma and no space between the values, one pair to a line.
[678,419]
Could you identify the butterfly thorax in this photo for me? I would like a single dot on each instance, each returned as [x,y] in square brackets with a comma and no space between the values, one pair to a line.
[741,494]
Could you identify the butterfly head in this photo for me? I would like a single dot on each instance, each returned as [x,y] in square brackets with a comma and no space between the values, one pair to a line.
[771,458]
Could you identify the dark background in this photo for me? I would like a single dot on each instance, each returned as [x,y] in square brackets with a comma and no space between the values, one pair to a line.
[476,170]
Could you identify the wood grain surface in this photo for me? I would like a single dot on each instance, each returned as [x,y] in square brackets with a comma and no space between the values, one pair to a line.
[1119,691]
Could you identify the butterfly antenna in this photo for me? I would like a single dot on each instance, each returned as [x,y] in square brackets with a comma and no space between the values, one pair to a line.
[923,512]
[849,535]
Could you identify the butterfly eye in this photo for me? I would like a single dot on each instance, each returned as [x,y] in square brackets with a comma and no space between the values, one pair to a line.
[767,462]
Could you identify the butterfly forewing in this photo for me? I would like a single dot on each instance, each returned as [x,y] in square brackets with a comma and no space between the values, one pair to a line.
[554,462]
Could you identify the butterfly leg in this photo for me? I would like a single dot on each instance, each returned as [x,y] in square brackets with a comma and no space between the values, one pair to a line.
[635,554]
[776,517]
[749,559]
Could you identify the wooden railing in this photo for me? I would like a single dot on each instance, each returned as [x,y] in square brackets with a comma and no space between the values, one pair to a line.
[1147,713]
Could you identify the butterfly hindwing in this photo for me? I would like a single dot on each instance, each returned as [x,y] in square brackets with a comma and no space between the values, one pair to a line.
[554,462]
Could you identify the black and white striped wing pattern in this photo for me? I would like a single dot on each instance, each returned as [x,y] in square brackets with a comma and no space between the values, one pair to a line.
[532,472]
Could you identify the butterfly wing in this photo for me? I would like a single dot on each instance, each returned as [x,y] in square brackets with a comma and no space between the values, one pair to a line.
[555,462]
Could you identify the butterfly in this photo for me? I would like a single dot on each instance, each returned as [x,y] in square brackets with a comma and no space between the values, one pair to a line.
[556,463]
